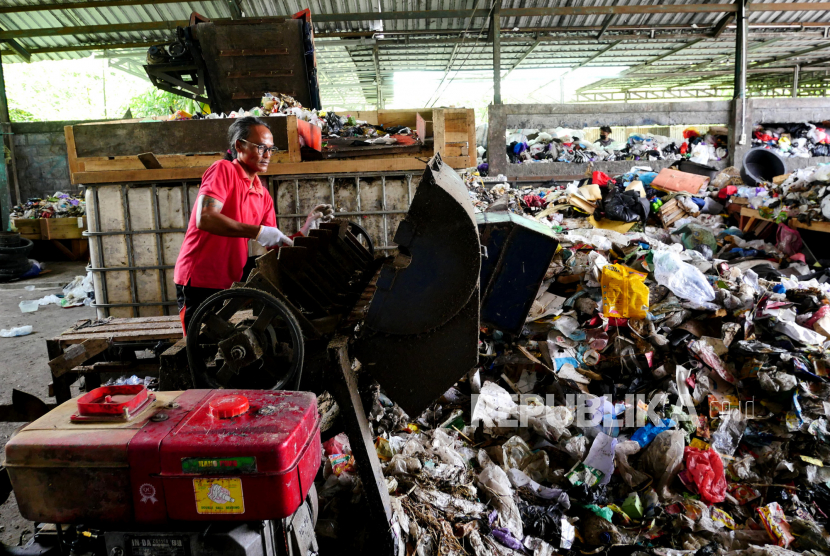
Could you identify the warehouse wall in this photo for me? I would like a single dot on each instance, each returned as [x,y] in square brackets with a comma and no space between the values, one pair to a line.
[40,156]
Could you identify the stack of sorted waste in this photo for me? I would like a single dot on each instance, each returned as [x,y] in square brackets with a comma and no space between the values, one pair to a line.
[803,140]
[59,205]
[332,125]
[668,393]
[568,145]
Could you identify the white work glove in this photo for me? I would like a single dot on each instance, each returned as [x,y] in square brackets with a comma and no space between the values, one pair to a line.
[271,237]
[320,213]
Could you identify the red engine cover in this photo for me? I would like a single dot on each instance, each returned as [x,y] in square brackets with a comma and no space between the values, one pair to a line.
[256,465]
[198,455]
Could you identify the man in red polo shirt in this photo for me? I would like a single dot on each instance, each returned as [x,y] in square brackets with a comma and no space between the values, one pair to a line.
[232,207]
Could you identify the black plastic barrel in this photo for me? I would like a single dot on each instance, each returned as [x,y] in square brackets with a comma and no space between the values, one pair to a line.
[761,165]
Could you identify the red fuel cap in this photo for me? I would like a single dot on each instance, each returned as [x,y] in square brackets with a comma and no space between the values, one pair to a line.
[228,406]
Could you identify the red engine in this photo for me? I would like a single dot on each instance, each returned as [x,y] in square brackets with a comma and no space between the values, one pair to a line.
[121,454]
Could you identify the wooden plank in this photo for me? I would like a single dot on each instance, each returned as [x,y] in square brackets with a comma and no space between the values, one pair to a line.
[293,140]
[65,250]
[405,117]
[455,136]
[368,116]
[813,226]
[105,331]
[167,321]
[162,138]
[63,228]
[420,127]
[28,227]
[202,161]
[439,132]
[294,168]
[71,151]
[77,354]
[126,336]
[471,138]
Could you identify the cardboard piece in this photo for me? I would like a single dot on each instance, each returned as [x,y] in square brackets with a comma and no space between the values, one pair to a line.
[590,192]
[637,185]
[674,180]
[582,204]
[608,224]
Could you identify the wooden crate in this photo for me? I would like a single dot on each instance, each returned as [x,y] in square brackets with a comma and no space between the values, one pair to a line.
[671,212]
[28,227]
[108,152]
[78,351]
[52,228]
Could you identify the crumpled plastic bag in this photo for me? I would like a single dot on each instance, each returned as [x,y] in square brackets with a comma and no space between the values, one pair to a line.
[76,292]
[706,469]
[788,241]
[495,483]
[684,280]
[494,409]
[725,440]
[624,206]
[663,459]
[622,452]
[624,292]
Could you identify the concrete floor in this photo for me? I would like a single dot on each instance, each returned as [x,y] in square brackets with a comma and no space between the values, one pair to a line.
[23,360]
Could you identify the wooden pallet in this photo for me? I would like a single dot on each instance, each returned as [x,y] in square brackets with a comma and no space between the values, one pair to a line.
[75,352]
[671,212]
[109,152]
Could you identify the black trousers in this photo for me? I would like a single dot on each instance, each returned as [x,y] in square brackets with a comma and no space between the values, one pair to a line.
[189,299]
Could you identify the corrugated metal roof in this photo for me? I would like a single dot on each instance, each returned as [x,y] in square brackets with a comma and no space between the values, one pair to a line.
[449,44]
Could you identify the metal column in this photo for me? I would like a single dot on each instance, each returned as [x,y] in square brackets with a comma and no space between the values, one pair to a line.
[5,193]
[495,25]
[796,72]
[378,78]
[740,66]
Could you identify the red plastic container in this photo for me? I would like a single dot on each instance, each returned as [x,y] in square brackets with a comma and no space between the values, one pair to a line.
[196,455]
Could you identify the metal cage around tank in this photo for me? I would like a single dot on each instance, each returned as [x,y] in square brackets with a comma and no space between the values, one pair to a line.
[136,230]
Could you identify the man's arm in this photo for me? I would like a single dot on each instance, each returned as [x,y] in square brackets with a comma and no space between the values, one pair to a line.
[210,219]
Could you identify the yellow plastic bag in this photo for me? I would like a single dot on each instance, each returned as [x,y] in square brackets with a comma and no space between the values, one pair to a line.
[624,293]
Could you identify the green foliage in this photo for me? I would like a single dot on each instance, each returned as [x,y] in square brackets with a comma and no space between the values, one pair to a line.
[155,102]
[20,115]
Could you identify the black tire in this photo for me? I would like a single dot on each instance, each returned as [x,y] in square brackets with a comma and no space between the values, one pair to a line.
[7,275]
[20,265]
[11,260]
[199,341]
[23,248]
[9,239]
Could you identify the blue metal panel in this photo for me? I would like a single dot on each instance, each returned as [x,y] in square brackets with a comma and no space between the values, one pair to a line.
[519,252]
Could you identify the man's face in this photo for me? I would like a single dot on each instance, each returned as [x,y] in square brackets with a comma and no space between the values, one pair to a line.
[603,135]
[249,152]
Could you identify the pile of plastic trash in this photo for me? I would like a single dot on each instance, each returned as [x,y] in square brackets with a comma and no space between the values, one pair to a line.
[280,104]
[803,194]
[668,395]
[59,205]
[802,140]
[568,145]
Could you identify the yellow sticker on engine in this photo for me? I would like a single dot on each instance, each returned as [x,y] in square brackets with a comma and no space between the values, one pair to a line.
[219,496]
